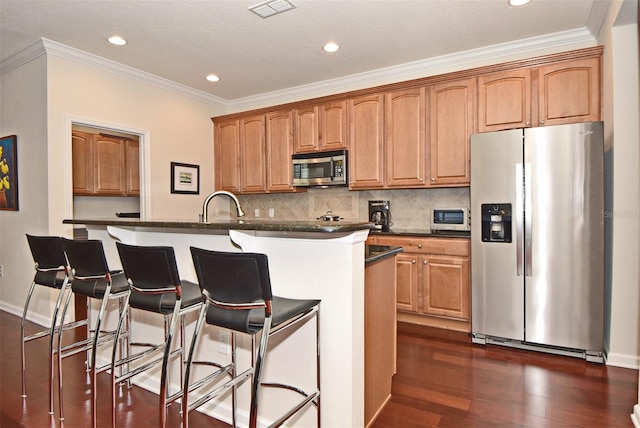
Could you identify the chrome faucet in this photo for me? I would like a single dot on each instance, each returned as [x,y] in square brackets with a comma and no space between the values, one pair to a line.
[205,206]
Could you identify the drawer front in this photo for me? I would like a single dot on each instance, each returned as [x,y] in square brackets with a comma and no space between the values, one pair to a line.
[419,245]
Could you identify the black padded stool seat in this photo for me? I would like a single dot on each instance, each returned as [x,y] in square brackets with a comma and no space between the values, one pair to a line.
[152,274]
[92,278]
[52,271]
[238,297]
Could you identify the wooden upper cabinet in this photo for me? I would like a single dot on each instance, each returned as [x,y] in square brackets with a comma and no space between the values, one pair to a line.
[320,127]
[307,131]
[253,178]
[366,116]
[504,100]
[82,159]
[452,110]
[279,143]
[569,92]
[109,156]
[227,155]
[405,137]
[132,167]
[333,125]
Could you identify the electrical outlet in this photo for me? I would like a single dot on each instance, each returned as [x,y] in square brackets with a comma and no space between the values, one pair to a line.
[256,212]
[223,343]
[1,270]
[272,212]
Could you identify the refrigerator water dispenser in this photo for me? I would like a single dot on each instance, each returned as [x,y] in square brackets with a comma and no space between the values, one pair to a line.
[496,222]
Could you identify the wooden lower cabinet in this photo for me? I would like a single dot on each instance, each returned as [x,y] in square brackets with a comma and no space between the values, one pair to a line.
[379,335]
[433,280]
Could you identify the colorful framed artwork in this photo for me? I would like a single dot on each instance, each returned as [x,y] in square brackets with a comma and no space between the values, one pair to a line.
[9,173]
[185,178]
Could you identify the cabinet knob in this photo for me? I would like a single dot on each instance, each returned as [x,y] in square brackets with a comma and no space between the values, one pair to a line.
[542,122]
[413,261]
[424,262]
[419,245]
[433,179]
[422,180]
[527,124]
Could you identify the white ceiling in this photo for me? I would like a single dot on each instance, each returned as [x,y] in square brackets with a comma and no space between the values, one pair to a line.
[184,40]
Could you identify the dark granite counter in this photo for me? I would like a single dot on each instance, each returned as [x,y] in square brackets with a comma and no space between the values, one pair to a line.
[264,225]
[424,233]
[378,252]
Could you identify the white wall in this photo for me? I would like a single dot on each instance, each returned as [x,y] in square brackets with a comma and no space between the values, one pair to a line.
[40,100]
[621,112]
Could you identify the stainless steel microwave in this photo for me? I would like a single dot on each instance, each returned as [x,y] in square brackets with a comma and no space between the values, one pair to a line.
[320,169]
[450,219]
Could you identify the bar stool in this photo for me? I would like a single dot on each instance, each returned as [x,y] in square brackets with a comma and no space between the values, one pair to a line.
[152,274]
[238,297]
[93,279]
[52,271]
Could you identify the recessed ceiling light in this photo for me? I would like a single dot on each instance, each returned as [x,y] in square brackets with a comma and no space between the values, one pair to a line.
[212,78]
[331,47]
[518,2]
[117,40]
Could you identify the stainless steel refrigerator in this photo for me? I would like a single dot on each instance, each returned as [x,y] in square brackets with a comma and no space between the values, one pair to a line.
[537,239]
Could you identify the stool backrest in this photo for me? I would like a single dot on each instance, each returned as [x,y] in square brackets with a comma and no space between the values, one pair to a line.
[52,269]
[150,269]
[86,257]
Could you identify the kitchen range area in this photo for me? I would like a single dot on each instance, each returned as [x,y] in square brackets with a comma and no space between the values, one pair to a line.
[397,233]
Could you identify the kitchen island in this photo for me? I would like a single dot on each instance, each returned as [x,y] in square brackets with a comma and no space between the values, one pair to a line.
[314,259]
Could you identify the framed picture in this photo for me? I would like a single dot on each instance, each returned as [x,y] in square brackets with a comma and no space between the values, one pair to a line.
[185,178]
[9,173]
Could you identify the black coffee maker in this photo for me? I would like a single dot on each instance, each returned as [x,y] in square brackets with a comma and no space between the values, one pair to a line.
[380,214]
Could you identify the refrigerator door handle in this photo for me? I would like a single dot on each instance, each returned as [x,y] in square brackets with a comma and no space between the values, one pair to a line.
[528,271]
[519,211]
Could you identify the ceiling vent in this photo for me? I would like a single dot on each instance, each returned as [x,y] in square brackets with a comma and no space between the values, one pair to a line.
[272,7]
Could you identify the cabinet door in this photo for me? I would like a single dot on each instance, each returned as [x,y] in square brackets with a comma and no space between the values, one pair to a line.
[109,171]
[405,138]
[227,156]
[504,100]
[279,148]
[407,282]
[569,92]
[452,110]
[333,125]
[132,156]
[445,282]
[82,161]
[307,133]
[253,155]
[365,142]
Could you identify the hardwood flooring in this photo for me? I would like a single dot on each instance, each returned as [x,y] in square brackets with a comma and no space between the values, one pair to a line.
[442,380]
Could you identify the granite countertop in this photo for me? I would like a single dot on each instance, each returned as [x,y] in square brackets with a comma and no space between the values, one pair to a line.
[374,253]
[235,224]
[424,233]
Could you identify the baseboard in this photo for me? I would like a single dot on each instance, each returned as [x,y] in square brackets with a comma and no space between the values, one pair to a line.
[623,360]
[44,321]
[635,416]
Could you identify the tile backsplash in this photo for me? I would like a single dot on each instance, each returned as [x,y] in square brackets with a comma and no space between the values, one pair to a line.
[410,208]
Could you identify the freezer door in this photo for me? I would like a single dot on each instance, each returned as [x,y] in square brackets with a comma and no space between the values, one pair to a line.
[564,256]
[497,286]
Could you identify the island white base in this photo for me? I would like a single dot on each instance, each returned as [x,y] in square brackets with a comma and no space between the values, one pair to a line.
[326,266]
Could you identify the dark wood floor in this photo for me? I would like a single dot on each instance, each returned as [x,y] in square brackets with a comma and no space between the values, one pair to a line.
[442,381]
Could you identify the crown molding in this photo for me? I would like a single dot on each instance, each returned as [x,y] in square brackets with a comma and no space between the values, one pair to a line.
[417,69]
[50,47]
[413,70]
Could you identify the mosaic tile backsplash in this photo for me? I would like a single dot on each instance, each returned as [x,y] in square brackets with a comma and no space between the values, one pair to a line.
[410,208]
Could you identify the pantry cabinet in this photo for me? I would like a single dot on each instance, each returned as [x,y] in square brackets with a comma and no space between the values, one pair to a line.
[320,127]
[433,281]
[104,165]
[567,92]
